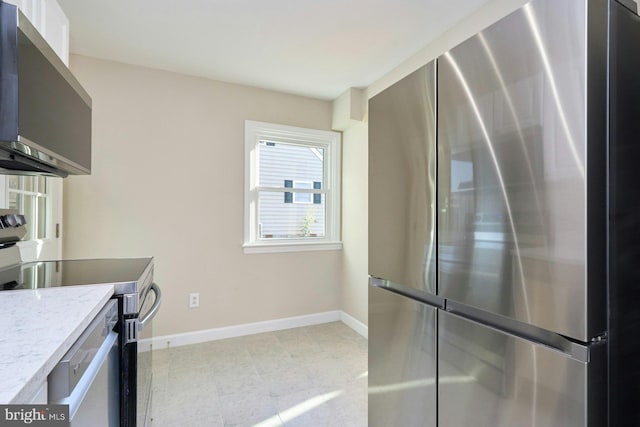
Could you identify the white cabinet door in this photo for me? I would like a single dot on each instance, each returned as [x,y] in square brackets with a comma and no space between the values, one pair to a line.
[49,19]
[54,27]
[28,7]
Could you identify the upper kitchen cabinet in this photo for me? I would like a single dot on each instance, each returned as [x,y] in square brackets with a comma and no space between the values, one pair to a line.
[50,20]
[54,26]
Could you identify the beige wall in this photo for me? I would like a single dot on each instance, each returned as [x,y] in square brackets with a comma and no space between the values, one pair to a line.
[148,195]
[354,295]
[167,181]
[354,141]
[467,27]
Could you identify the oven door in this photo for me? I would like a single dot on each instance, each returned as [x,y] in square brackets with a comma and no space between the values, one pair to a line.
[151,299]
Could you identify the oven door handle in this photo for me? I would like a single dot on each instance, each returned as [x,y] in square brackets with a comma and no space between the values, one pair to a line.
[154,309]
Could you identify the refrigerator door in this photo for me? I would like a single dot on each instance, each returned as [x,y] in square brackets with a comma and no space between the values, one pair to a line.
[488,378]
[402,361]
[512,171]
[402,182]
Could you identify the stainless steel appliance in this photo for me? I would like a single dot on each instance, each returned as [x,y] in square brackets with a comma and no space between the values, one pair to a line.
[86,378]
[137,297]
[45,125]
[503,216]
[138,300]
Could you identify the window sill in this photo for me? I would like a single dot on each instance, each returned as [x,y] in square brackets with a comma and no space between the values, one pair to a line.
[266,248]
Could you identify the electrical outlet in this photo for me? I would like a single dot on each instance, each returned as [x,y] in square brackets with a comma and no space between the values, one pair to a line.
[194,300]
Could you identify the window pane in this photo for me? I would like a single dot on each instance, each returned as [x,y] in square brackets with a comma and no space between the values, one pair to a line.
[42,218]
[27,182]
[14,200]
[14,182]
[42,184]
[307,185]
[29,213]
[28,195]
[279,219]
[281,164]
[303,197]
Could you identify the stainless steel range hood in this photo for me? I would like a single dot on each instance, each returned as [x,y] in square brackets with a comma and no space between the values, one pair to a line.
[45,114]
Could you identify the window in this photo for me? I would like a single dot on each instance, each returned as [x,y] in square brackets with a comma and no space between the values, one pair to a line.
[30,196]
[292,188]
[302,197]
[39,199]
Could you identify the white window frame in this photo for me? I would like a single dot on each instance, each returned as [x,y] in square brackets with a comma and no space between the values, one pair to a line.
[330,142]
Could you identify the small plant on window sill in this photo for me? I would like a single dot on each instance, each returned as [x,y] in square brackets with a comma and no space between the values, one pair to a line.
[307,222]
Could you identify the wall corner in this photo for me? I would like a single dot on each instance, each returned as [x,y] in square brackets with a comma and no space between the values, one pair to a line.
[348,109]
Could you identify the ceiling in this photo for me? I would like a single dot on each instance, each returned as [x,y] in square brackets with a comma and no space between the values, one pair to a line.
[316,48]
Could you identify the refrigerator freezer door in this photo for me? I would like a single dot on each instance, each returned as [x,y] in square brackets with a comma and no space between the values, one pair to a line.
[512,179]
[491,379]
[402,361]
[402,181]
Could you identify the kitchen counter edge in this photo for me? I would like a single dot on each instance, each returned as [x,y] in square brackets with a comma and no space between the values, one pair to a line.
[39,326]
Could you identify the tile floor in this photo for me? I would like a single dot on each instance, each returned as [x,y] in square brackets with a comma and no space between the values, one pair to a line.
[312,376]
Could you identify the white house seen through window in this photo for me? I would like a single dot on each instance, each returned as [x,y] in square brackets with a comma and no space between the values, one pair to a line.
[292,188]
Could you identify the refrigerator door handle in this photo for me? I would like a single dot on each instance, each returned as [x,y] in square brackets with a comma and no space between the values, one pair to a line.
[576,350]
[413,293]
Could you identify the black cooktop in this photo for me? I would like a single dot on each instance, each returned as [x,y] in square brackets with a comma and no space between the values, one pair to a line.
[129,274]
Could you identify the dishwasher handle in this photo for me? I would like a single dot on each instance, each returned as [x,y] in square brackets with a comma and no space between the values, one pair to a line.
[75,398]
[143,319]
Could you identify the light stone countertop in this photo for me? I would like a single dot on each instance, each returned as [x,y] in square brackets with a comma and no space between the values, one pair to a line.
[37,328]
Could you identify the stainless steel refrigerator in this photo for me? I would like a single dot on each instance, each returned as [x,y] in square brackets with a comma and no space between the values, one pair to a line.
[504,227]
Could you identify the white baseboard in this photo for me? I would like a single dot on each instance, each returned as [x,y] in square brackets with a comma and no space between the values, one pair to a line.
[196,337]
[354,324]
